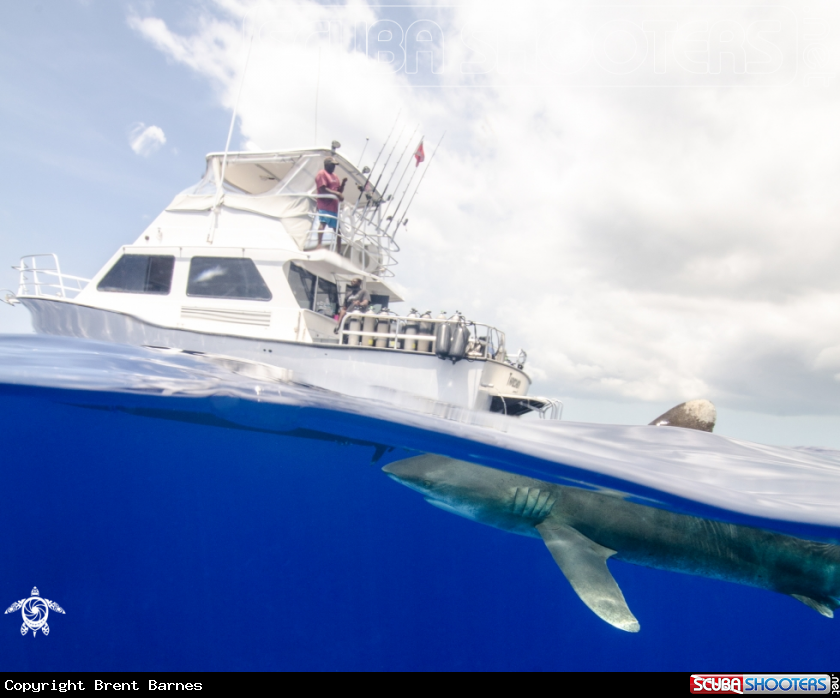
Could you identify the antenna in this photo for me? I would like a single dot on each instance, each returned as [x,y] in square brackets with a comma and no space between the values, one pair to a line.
[317,92]
[367,140]
[417,188]
[220,185]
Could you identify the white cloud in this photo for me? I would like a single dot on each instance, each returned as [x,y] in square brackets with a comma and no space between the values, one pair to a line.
[145,140]
[647,235]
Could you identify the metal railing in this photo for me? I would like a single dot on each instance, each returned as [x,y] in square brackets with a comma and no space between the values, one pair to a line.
[357,231]
[40,275]
[484,341]
[553,409]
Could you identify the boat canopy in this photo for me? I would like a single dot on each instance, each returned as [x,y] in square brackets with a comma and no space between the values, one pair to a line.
[277,185]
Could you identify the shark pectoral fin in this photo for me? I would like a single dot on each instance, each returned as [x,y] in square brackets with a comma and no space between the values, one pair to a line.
[584,563]
[820,608]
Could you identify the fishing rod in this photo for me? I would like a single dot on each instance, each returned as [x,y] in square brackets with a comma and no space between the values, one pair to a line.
[402,155]
[382,149]
[405,191]
[370,173]
[417,188]
[399,181]
[384,167]
[388,159]
[382,197]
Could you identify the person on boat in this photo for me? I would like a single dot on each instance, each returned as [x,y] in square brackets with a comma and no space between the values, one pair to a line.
[356,299]
[328,185]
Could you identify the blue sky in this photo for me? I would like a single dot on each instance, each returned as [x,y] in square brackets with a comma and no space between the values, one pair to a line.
[75,79]
[648,237]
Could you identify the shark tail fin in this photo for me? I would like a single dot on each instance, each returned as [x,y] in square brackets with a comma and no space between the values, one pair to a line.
[820,608]
[584,563]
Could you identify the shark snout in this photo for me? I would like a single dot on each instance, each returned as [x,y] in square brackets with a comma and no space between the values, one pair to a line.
[411,469]
[407,477]
[420,473]
[394,472]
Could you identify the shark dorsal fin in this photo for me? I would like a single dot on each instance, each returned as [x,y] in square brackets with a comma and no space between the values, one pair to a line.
[820,608]
[584,563]
[694,414]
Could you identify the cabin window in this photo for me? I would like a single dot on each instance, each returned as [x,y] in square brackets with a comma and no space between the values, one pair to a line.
[226,277]
[379,299]
[312,292]
[139,273]
[326,298]
[303,286]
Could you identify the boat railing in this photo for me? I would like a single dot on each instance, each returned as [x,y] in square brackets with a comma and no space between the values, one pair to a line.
[40,275]
[413,334]
[360,233]
[553,409]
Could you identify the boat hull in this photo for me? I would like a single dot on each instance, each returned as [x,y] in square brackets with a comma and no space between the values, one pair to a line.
[359,371]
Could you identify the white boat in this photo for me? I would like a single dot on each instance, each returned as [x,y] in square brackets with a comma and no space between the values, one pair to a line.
[231,267]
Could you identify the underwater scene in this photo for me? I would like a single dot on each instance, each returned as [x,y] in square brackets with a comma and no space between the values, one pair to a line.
[184,512]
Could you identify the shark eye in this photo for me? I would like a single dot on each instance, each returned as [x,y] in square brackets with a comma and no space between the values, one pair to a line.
[428,483]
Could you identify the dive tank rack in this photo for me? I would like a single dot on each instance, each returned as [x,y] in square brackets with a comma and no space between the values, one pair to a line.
[454,338]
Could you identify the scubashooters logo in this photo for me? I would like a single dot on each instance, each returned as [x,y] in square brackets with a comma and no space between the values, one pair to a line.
[35,611]
[789,684]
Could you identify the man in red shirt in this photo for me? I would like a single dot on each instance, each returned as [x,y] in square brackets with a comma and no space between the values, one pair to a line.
[327,183]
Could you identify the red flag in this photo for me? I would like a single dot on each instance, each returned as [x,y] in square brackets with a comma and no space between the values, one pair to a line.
[419,154]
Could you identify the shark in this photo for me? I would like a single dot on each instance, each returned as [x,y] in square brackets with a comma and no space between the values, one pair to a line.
[583,529]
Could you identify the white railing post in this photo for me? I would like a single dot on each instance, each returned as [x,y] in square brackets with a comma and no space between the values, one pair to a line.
[60,279]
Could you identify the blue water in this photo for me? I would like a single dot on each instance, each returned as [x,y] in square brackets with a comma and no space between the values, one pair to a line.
[191,513]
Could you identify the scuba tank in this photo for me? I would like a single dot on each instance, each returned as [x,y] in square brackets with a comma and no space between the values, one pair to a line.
[411,327]
[460,337]
[368,325]
[394,329]
[383,326]
[443,336]
[352,327]
[425,328]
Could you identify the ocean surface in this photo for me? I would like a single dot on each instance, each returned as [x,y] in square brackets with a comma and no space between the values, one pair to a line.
[197,513]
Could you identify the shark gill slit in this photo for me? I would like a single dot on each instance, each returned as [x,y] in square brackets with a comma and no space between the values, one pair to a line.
[520,497]
[533,498]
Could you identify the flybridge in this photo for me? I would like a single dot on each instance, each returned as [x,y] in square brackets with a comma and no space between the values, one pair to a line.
[279,187]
